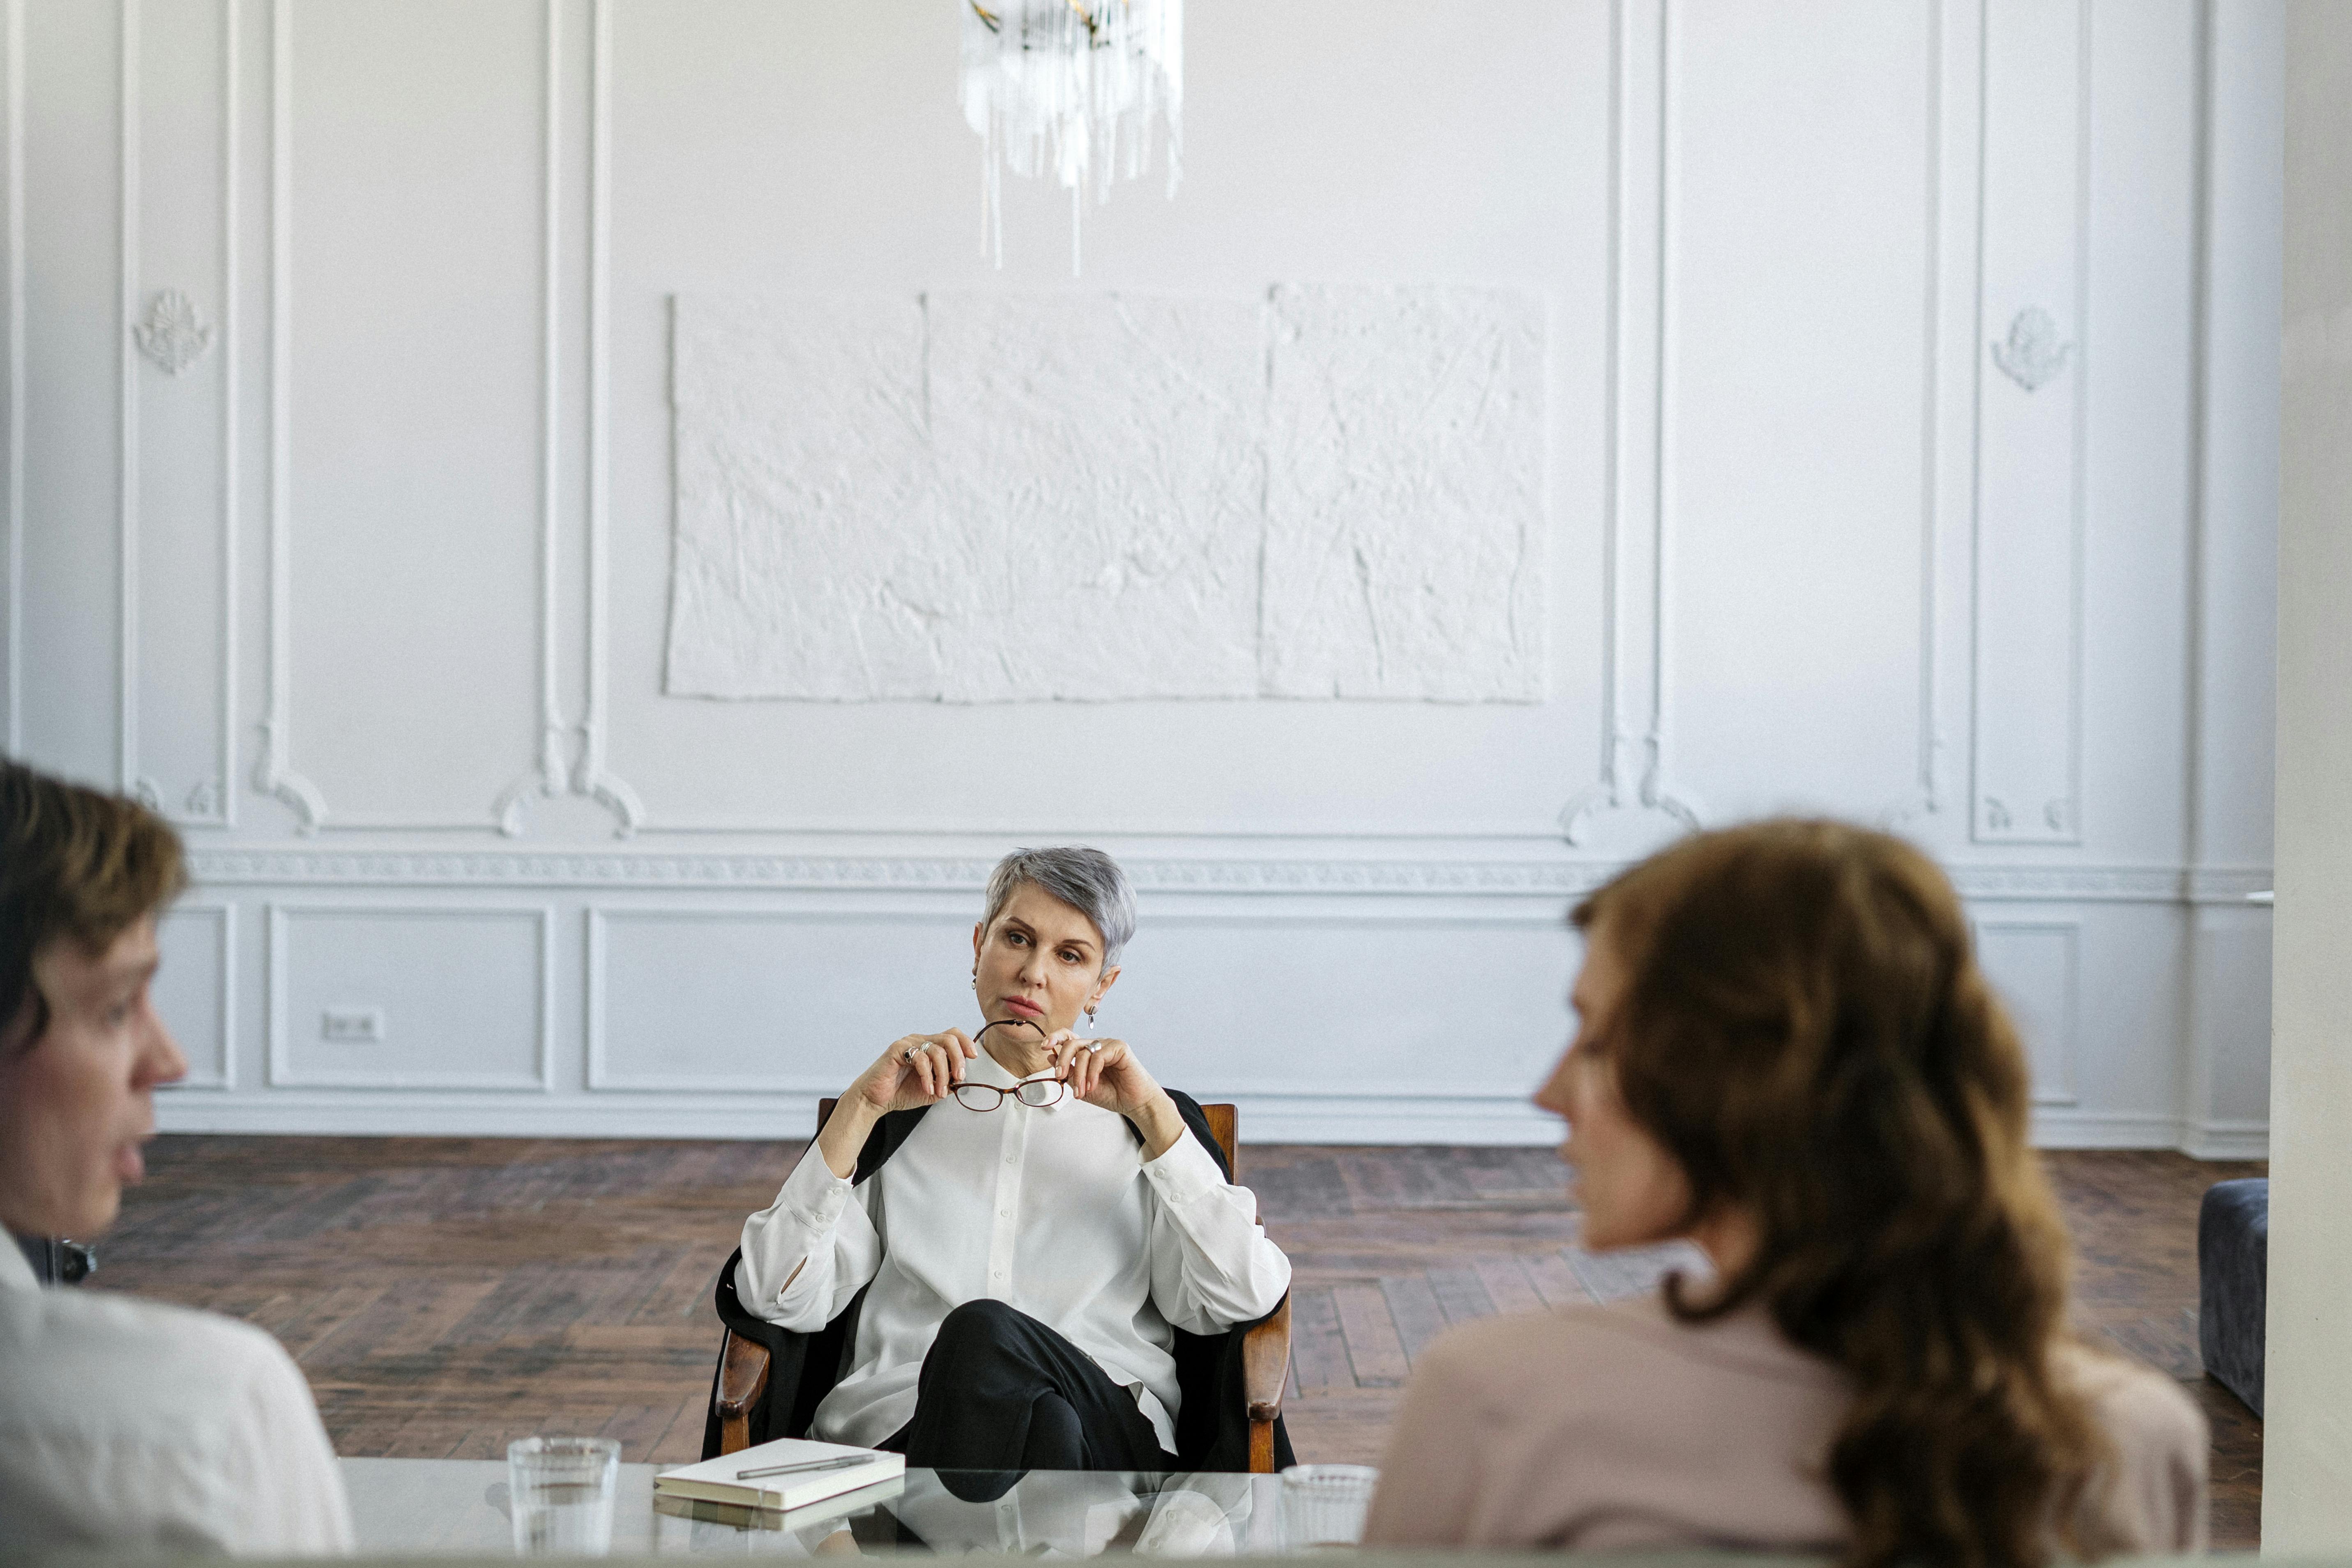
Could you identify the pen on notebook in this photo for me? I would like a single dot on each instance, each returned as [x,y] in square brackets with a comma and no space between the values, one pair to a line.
[842,1463]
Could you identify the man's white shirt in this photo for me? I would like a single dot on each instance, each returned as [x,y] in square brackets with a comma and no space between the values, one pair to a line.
[1052,1210]
[133,1424]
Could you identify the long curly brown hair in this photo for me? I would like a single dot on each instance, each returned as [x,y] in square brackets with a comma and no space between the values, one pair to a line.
[1804,1028]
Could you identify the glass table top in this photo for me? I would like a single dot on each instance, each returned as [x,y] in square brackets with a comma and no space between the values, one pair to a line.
[460,1507]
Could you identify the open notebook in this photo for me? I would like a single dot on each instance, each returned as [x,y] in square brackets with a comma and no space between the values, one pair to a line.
[721,1480]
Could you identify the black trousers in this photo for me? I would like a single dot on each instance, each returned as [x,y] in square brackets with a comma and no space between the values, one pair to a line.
[1000,1391]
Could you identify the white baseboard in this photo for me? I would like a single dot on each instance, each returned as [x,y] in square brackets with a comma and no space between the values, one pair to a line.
[2063,1127]
[1294,1118]
[1265,1119]
[2059,1128]
[2228,1140]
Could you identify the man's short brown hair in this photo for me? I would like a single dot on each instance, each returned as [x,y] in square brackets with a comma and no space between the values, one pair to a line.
[75,863]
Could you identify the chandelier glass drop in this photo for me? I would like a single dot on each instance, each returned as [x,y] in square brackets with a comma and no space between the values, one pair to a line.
[1084,87]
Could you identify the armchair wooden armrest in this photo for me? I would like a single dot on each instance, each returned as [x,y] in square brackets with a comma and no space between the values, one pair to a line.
[742,1381]
[1266,1369]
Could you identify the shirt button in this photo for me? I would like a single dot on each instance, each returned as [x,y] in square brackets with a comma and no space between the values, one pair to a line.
[1005,1213]
[1008,1159]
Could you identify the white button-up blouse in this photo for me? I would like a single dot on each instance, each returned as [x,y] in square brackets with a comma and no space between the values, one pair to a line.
[1052,1210]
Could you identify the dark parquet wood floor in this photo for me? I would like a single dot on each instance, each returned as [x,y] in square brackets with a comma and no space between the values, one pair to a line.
[445,1295]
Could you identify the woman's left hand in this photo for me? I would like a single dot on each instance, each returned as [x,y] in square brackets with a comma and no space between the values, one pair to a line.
[1103,1073]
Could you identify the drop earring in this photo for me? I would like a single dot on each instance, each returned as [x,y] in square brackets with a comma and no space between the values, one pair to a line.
[1090,1018]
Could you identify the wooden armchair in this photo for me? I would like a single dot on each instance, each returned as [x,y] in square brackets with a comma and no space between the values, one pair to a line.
[743,1364]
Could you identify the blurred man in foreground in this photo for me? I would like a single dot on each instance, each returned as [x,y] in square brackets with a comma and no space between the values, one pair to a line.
[125,1422]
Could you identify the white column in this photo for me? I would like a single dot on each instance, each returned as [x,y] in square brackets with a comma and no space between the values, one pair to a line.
[2308,1432]
[2226,1107]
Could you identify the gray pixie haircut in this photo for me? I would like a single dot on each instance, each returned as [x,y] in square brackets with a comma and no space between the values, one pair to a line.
[1088,880]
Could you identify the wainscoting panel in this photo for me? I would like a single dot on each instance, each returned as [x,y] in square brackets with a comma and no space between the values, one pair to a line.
[196,990]
[2036,965]
[717,1000]
[410,997]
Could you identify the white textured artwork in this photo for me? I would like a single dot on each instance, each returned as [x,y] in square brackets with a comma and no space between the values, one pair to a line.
[1404,495]
[1104,467]
[803,476]
[991,497]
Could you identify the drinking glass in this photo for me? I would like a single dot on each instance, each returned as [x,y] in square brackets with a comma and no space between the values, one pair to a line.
[562,1496]
[1323,1506]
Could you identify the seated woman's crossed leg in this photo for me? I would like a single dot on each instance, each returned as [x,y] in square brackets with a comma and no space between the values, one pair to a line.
[998,1384]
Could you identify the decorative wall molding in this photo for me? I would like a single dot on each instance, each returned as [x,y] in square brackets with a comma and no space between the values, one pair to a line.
[1636,550]
[1637,561]
[587,775]
[591,777]
[277,867]
[13,689]
[127,496]
[280,1070]
[2019,793]
[1947,486]
[549,779]
[2227,884]
[2033,354]
[173,334]
[276,775]
[170,334]
[221,804]
[931,874]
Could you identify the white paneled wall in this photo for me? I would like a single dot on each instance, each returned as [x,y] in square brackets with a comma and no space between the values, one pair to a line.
[1909,376]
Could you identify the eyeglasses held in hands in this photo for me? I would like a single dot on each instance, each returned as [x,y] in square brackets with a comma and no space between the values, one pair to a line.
[1034,1091]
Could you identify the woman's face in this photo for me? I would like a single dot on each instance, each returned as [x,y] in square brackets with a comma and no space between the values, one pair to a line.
[1040,962]
[1632,1190]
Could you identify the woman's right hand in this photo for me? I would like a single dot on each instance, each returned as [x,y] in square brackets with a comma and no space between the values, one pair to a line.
[916,1070]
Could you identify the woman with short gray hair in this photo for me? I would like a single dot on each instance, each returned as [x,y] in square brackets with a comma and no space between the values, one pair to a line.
[1016,1273]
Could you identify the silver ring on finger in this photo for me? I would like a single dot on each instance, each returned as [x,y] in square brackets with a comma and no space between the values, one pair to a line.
[1094,1048]
[910,1053]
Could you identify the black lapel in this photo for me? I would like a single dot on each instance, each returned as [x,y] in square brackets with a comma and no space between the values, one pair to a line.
[893,1129]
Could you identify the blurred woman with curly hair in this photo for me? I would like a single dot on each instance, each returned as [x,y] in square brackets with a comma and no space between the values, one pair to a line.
[1787,1053]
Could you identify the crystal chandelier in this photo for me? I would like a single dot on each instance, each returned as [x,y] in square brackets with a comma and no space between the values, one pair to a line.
[1081,86]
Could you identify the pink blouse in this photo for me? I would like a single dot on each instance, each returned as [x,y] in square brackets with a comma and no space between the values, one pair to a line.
[1598,1427]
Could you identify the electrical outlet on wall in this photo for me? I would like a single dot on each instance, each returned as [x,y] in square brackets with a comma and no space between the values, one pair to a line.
[351,1025]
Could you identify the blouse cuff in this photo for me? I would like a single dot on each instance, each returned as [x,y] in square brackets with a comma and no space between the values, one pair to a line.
[1184,1171]
[813,1190]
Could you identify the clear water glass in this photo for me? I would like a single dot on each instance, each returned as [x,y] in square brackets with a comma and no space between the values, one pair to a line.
[1324,1506]
[561,1494]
